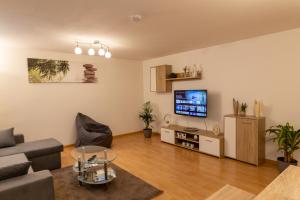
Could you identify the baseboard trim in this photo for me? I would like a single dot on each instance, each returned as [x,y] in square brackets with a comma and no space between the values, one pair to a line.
[271,161]
[124,134]
[115,136]
[69,145]
[136,132]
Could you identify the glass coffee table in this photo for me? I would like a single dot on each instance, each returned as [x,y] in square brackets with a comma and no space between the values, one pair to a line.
[93,164]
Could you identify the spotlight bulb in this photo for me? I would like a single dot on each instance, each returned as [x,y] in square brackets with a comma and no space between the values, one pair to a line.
[108,54]
[91,51]
[101,52]
[78,50]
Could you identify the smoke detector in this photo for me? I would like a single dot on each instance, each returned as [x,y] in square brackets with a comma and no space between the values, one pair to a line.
[136,18]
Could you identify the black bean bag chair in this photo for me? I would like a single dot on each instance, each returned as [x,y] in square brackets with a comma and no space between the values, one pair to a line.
[90,132]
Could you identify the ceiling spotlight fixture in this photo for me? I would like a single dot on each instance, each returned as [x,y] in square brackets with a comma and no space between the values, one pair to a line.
[77,50]
[103,50]
[136,18]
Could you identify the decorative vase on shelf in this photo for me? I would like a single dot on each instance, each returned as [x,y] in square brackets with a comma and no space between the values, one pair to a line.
[216,130]
[199,70]
[194,71]
[257,108]
[185,71]
[235,107]
[188,72]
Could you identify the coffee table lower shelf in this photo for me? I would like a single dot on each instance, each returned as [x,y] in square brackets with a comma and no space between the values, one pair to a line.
[99,178]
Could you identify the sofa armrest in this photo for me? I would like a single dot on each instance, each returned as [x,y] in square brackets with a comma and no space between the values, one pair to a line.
[19,138]
[34,186]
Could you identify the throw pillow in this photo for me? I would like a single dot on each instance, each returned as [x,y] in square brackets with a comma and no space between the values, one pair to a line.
[7,138]
[14,170]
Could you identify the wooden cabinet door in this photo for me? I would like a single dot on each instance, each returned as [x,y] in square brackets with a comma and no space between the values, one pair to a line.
[161,74]
[153,79]
[209,145]
[167,135]
[230,137]
[247,140]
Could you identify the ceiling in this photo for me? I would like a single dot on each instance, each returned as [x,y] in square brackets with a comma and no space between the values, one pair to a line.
[167,27]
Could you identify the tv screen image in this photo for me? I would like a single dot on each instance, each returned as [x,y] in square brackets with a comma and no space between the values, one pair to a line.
[190,102]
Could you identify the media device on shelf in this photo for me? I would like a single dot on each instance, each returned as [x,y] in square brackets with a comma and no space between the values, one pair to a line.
[191,129]
[191,103]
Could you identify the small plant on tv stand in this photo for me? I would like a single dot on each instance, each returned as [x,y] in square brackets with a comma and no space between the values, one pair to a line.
[147,116]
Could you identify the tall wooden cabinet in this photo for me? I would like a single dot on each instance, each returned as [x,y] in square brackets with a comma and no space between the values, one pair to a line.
[158,76]
[245,138]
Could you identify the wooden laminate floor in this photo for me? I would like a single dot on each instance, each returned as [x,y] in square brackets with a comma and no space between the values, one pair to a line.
[180,173]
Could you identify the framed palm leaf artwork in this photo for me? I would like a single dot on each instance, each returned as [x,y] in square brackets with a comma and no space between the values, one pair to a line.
[60,71]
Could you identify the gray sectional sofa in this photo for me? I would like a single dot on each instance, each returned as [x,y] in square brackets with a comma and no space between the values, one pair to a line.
[40,156]
[44,154]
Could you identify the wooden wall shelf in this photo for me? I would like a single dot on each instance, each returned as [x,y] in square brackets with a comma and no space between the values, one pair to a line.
[183,79]
[159,81]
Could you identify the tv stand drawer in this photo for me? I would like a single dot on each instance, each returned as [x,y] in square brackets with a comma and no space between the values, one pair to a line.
[167,135]
[209,145]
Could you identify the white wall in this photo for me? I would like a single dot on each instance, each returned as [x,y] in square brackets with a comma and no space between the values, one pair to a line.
[49,110]
[265,68]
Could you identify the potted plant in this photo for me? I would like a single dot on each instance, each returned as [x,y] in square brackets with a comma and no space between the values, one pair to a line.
[147,117]
[243,110]
[288,141]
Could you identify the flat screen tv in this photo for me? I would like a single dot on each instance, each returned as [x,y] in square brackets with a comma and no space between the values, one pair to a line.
[190,103]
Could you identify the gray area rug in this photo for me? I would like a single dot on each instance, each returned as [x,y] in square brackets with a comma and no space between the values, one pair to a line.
[125,187]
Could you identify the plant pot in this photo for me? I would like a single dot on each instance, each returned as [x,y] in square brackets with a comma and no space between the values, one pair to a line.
[283,165]
[242,113]
[147,132]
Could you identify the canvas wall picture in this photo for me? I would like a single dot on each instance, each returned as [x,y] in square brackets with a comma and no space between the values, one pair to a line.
[60,71]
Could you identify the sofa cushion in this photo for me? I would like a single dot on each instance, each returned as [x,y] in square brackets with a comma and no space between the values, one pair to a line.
[34,149]
[13,166]
[7,138]
[35,186]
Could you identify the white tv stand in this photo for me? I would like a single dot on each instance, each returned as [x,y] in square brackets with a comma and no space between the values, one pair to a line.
[199,141]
